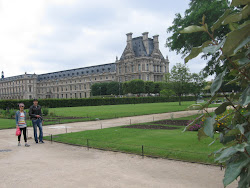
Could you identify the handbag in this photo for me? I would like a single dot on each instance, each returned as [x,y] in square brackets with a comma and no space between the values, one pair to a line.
[18,131]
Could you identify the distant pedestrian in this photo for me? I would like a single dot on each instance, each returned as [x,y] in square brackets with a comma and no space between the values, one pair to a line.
[21,123]
[35,113]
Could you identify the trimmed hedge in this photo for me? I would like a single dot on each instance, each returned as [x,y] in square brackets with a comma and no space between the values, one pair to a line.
[53,103]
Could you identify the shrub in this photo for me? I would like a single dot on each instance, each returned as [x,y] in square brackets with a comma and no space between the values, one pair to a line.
[53,103]
[196,126]
[45,111]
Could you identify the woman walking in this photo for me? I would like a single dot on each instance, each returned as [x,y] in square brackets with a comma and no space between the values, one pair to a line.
[21,123]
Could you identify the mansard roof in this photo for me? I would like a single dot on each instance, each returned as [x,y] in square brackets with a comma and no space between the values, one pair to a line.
[98,69]
[139,48]
[83,71]
[18,77]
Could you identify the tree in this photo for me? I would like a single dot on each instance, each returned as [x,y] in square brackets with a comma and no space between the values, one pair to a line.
[99,89]
[234,55]
[137,86]
[125,87]
[158,87]
[114,88]
[95,89]
[197,84]
[167,92]
[149,87]
[183,44]
[179,79]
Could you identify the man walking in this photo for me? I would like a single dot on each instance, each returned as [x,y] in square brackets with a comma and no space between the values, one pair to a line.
[35,114]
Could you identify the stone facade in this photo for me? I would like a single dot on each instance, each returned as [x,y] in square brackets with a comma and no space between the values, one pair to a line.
[141,59]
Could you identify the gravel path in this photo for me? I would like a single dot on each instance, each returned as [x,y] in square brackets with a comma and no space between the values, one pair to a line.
[60,165]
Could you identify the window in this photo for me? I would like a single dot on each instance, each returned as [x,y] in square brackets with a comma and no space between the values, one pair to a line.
[147,67]
[139,76]
[120,69]
[160,68]
[139,67]
[126,69]
[165,69]
[132,68]
[147,77]
[107,77]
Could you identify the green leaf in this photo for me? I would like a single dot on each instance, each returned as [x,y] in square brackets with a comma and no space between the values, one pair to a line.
[233,132]
[233,26]
[245,97]
[241,127]
[236,3]
[232,18]
[234,39]
[201,134]
[193,29]
[196,51]
[213,49]
[244,42]
[234,168]
[209,126]
[244,178]
[227,153]
[233,81]
[243,61]
[226,139]
[217,82]
[218,23]
[236,17]
[222,108]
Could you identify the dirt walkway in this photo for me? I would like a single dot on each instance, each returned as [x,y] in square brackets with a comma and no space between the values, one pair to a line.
[60,165]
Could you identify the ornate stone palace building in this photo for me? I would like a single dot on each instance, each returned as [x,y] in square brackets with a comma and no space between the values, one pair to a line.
[141,59]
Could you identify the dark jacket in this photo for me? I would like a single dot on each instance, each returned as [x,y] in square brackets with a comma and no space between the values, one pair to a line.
[35,111]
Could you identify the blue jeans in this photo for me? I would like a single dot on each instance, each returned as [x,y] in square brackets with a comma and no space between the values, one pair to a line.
[38,123]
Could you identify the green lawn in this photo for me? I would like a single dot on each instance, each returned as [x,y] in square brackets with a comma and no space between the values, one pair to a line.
[162,143]
[113,111]
[107,112]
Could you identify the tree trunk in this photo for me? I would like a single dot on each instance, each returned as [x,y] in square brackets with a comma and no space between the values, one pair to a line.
[179,100]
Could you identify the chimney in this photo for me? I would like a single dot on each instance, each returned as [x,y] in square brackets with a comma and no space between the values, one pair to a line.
[2,75]
[156,41]
[145,41]
[129,40]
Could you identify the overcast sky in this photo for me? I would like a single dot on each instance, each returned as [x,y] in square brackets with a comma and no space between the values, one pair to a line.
[40,36]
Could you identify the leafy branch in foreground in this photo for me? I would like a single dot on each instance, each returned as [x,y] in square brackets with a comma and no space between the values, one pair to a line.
[234,55]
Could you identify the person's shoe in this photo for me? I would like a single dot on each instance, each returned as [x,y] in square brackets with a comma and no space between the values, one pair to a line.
[27,145]
[19,144]
[41,142]
[36,142]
